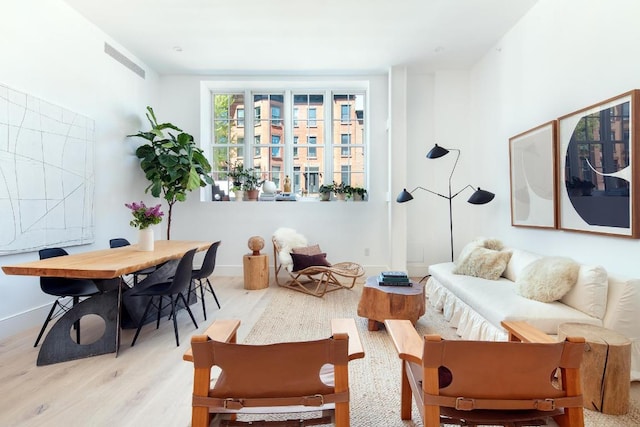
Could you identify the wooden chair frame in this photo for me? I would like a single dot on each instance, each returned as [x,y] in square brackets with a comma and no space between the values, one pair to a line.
[205,403]
[420,379]
[317,280]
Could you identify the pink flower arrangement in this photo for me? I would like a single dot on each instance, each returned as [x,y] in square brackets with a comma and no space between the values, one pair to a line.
[143,216]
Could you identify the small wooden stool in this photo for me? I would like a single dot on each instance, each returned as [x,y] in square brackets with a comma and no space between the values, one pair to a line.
[378,303]
[256,265]
[606,367]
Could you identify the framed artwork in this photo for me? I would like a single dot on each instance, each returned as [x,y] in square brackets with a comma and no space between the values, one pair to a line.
[597,155]
[533,177]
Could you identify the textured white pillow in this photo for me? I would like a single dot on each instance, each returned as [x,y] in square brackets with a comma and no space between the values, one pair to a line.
[548,279]
[484,263]
[478,242]
[589,294]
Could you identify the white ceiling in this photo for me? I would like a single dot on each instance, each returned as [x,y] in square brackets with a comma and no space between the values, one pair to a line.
[293,36]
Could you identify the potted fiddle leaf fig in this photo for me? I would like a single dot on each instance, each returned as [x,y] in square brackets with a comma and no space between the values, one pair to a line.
[173,163]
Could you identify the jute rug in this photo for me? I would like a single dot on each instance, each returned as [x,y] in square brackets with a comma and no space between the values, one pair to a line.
[374,380]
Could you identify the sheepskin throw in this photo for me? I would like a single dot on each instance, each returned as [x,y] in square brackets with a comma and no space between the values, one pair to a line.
[484,263]
[478,242]
[548,279]
[287,239]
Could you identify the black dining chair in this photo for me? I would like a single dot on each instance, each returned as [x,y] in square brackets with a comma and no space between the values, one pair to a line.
[202,275]
[119,242]
[63,288]
[173,290]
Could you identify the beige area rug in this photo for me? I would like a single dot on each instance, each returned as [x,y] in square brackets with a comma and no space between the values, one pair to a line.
[374,380]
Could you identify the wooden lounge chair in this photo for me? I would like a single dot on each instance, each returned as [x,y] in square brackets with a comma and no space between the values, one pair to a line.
[311,279]
[276,378]
[487,382]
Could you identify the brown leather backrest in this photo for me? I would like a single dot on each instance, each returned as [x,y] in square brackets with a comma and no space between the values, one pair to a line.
[274,370]
[495,370]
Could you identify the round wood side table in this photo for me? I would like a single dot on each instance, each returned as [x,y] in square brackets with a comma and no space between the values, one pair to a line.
[378,303]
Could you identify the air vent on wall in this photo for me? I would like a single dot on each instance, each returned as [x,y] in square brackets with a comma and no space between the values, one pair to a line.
[118,56]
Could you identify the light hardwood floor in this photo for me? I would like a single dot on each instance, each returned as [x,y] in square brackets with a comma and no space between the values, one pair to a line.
[146,385]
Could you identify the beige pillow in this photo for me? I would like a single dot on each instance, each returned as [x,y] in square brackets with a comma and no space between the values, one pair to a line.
[484,263]
[307,250]
[548,279]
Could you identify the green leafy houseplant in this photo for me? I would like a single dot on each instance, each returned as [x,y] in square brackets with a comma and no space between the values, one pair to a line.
[173,164]
[357,193]
[325,192]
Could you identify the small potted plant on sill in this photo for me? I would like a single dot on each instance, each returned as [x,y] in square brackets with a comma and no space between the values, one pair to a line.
[251,184]
[236,173]
[356,193]
[325,192]
[340,190]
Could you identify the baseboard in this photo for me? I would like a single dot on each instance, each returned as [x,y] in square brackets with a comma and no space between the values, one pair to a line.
[20,322]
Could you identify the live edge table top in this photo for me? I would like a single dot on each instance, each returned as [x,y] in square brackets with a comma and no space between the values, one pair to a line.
[106,263]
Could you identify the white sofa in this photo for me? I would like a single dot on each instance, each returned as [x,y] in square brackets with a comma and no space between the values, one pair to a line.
[476,306]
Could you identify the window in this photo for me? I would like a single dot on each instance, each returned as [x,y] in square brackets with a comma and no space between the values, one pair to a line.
[240,117]
[312,117]
[275,149]
[349,149]
[276,116]
[315,137]
[227,134]
[344,113]
[313,150]
[345,140]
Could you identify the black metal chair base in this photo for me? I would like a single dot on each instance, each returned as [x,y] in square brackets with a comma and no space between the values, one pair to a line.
[194,290]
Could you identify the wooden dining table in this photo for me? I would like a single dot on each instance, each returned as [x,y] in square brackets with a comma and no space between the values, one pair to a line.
[105,267]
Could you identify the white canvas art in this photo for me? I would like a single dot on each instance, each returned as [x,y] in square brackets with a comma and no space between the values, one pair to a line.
[46,174]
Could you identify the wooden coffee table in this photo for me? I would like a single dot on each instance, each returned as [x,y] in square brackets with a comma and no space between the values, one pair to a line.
[378,303]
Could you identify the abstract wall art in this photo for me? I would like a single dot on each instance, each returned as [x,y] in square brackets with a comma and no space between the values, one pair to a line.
[46,174]
[532,167]
[597,167]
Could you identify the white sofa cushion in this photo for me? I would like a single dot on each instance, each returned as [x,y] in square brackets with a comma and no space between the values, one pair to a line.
[519,260]
[497,300]
[623,301]
[589,294]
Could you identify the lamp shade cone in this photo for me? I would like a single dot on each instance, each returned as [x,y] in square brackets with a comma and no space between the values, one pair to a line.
[481,197]
[436,152]
[404,196]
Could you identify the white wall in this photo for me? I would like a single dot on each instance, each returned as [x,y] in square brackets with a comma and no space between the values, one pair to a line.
[561,57]
[51,52]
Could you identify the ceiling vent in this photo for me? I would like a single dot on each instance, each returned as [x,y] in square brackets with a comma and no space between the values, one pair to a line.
[118,56]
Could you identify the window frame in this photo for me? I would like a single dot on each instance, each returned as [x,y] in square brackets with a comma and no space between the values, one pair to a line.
[288,121]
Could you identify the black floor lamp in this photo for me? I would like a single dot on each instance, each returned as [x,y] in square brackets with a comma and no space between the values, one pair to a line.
[479,197]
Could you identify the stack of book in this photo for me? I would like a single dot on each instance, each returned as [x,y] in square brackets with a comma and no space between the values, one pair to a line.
[394,278]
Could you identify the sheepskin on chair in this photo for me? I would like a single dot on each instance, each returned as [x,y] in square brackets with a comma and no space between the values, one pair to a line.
[287,239]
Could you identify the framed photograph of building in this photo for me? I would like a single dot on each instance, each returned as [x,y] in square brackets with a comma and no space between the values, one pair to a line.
[533,177]
[597,155]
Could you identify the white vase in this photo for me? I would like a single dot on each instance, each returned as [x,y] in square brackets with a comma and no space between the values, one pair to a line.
[145,239]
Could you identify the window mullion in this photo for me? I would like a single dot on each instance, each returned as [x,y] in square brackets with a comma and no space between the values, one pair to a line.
[249,129]
[328,137]
[288,133]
